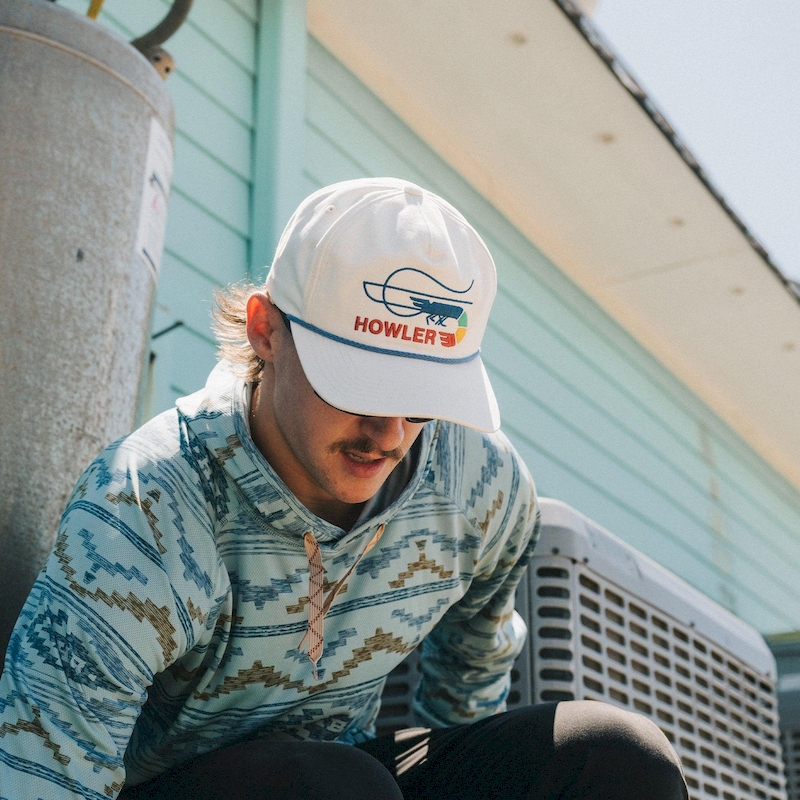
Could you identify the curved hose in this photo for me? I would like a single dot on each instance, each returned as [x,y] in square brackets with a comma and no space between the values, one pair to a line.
[166,28]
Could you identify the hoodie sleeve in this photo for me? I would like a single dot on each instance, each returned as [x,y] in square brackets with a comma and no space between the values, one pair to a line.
[118,600]
[467,659]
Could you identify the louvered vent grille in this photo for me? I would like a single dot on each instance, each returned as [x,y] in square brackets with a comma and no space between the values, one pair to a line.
[593,640]
[706,679]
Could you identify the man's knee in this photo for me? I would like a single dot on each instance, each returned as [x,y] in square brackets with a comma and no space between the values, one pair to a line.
[621,745]
[329,771]
[358,775]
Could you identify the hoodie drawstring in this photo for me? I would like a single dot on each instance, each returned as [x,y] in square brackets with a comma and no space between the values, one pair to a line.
[317,609]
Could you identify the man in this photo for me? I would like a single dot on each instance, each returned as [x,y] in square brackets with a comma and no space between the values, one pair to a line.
[232,583]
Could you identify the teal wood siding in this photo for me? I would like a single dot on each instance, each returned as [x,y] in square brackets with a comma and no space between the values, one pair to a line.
[208,229]
[602,424]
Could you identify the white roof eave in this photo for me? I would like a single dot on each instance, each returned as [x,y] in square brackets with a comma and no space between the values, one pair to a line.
[516,99]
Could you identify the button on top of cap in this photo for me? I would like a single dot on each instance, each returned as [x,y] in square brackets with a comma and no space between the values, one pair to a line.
[412,190]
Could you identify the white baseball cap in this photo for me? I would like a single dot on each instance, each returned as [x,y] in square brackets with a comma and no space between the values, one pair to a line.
[388,291]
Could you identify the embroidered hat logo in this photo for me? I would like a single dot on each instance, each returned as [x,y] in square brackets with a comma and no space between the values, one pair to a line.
[404,294]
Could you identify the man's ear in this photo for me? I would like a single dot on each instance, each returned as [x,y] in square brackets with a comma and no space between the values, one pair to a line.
[263,320]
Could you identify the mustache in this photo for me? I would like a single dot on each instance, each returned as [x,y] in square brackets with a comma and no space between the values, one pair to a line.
[365,446]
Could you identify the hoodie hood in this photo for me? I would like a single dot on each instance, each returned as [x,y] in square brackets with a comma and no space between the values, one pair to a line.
[217,415]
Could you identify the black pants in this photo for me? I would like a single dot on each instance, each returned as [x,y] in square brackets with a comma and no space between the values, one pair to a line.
[555,751]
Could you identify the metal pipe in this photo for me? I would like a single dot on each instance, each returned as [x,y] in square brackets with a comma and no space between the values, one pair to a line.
[94,9]
[166,28]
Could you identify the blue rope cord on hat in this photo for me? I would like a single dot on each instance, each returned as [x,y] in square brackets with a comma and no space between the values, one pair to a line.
[382,350]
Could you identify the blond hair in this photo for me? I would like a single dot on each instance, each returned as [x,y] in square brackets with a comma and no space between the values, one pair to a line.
[230,328]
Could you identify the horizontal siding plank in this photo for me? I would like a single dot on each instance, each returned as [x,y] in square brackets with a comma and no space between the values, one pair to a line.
[179,365]
[193,358]
[325,162]
[591,420]
[558,436]
[157,396]
[211,185]
[348,132]
[589,378]
[582,335]
[212,127]
[774,499]
[210,246]
[185,296]
[214,72]
[229,29]
[247,8]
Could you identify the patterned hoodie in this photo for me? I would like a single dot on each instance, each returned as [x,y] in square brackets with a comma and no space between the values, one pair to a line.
[168,618]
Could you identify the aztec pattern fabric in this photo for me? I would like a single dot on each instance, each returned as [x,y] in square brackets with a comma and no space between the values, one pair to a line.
[167,620]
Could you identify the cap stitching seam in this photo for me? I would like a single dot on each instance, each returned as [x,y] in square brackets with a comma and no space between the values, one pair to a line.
[347,216]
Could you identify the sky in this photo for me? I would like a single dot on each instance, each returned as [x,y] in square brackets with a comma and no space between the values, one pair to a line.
[726,74]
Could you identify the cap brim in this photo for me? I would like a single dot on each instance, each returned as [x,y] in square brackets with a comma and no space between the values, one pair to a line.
[365,382]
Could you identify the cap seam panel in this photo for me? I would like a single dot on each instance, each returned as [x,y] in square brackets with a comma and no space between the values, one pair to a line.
[463,221]
[348,215]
